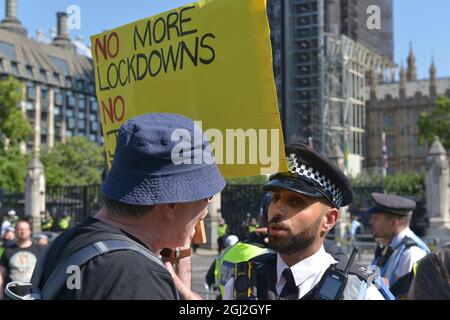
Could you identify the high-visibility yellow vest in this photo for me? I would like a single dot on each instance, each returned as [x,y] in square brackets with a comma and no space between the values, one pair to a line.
[226,262]
[252,228]
[64,223]
[222,230]
[47,224]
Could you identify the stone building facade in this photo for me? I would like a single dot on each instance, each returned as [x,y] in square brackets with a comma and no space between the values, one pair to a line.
[394,108]
[58,84]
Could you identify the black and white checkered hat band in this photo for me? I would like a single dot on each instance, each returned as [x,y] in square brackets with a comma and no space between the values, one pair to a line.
[312,174]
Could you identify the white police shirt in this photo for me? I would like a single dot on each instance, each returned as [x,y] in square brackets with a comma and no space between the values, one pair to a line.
[408,258]
[307,273]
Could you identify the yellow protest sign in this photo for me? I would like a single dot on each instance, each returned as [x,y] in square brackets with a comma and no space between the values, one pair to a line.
[210,61]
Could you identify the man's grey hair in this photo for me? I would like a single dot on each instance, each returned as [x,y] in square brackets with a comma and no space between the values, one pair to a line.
[120,209]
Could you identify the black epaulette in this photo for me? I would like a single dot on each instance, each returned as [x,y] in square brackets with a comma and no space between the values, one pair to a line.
[269,258]
[408,242]
[266,274]
[362,272]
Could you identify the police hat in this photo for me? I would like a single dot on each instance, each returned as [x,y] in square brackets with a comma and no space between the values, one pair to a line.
[312,174]
[391,204]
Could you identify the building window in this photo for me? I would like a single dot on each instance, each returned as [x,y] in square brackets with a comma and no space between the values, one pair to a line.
[69,113]
[94,105]
[30,105]
[389,121]
[93,138]
[80,85]
[58,119]
[2,68]
[81,103]
[81,115]
[31,91]
[8,50]
[91,87]
[14,67]
[70,123]
[81,125]
[70,101]
[94,126]
[58,98]
[30,71]
[44,94]
[69,82]
[56,76]
[390,144]
[60,64]
[43,75]
[69,133]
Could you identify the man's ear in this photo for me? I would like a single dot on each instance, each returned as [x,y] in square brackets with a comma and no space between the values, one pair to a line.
[330,218]
[394,222]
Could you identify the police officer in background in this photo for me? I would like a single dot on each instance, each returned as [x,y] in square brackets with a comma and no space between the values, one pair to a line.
[304,208]
[222,232]
[390,219]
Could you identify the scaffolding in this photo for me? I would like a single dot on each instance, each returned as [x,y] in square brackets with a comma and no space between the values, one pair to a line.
[346,65]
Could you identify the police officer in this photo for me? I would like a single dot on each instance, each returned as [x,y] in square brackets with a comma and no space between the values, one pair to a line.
[390,219]
[304,208]
[222,232]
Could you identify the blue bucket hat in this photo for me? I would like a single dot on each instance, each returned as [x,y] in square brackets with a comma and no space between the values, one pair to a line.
[154,162]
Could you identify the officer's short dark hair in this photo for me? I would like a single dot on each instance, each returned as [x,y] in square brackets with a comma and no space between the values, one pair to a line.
[120,209]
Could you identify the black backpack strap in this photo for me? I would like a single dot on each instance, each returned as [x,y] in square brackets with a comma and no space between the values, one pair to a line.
[82,256]
[39,269]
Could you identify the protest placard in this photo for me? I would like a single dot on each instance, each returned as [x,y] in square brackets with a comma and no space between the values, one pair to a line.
[210,61]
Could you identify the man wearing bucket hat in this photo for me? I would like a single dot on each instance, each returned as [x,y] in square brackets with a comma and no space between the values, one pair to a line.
[304,208]
[154,201]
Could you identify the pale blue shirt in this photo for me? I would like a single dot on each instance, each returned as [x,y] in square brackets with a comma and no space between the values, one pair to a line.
[409,256]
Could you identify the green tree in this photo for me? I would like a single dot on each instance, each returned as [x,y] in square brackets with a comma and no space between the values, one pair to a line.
[402,183]
[14,126]
[436,123]
[74,163]
[407,183]
[13,170]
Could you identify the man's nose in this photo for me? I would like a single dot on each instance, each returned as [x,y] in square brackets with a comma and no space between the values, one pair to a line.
[276,210]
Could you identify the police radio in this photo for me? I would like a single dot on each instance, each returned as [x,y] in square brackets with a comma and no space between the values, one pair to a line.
[333,282]
[244,281]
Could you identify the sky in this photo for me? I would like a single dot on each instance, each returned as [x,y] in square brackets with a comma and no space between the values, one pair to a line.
[424,23]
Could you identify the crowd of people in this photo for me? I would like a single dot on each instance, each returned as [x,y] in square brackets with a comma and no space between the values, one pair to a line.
[138,246]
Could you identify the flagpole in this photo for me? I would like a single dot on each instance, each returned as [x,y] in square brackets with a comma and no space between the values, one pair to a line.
[385,154]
